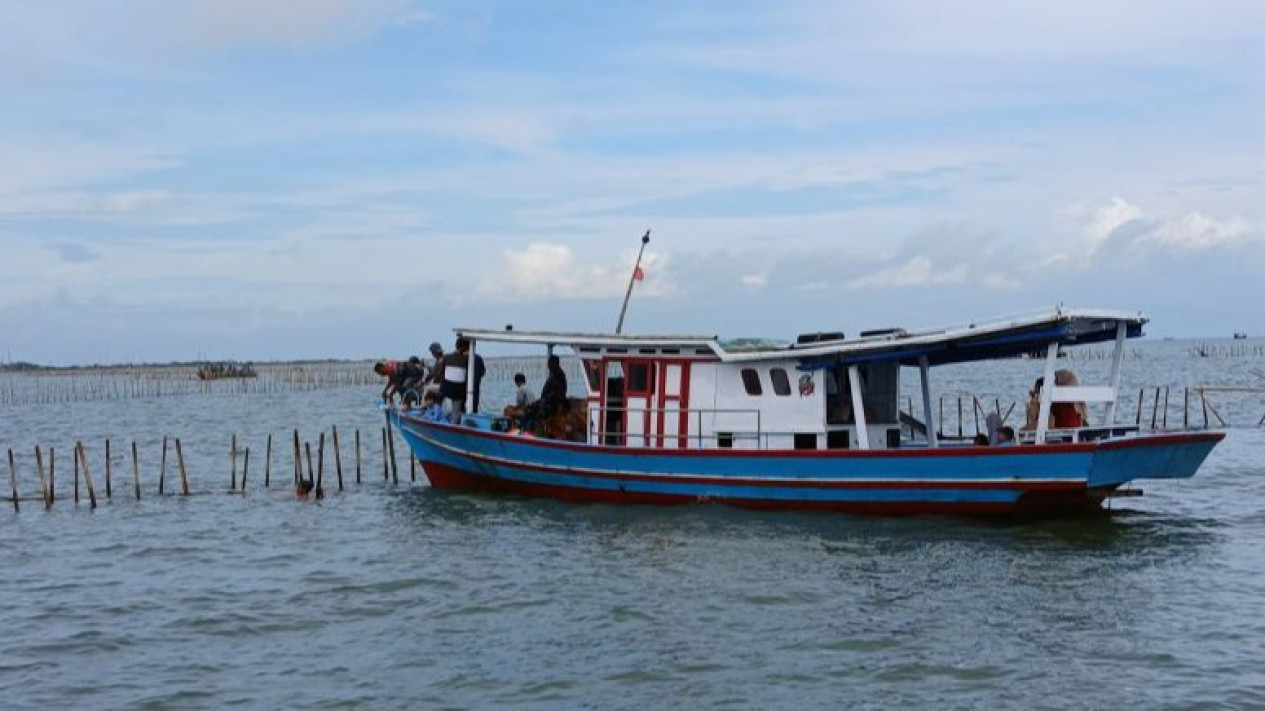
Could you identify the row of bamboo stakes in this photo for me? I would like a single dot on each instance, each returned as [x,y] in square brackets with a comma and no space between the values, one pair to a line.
[314,479]
[1159,409]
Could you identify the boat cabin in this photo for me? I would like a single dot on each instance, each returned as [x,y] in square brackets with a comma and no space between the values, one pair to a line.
[822,391]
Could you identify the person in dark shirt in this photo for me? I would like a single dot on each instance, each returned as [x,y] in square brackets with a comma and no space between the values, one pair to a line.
[553,398]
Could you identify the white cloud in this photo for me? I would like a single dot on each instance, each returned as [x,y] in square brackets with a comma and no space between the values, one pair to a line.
[918,271]
[548,272]
[1195,231]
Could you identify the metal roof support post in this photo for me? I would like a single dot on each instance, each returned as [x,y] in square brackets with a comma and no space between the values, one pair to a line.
[1109,416]
[924,368]
[858,408]
[470,379]
[1047,391]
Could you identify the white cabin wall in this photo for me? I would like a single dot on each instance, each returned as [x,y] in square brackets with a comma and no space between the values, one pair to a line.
[702,418]
[780,416]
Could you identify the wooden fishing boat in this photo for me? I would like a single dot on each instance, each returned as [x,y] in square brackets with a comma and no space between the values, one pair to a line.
[813,424]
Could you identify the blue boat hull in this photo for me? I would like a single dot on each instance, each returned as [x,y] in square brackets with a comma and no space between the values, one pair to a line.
[1049,479]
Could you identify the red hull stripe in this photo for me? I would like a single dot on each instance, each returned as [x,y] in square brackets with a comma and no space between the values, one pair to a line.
[445,477]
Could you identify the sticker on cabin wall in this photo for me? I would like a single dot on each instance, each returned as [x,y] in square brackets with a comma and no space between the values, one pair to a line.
[806,386]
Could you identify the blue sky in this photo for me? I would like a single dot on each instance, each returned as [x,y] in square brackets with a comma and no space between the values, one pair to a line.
[275,179]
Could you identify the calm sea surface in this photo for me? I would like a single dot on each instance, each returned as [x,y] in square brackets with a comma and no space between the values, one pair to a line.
[398,596]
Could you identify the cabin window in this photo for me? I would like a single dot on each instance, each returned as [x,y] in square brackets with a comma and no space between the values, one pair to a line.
[638,377]
[751,381]
[781,381]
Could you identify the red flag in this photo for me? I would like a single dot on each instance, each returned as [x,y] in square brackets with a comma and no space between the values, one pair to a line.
[638,275]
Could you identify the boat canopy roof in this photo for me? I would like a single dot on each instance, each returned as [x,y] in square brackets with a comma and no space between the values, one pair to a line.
[982,340]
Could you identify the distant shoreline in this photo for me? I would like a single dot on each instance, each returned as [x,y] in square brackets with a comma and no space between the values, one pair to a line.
[24,367]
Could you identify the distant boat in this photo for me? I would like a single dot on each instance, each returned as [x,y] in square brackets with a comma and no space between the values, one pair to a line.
[813,425]
[1240,336]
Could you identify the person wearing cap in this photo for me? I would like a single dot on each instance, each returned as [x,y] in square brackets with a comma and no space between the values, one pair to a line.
[436,375]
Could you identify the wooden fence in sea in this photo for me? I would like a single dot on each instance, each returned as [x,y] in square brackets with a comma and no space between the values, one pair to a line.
[167,473]
[71,385]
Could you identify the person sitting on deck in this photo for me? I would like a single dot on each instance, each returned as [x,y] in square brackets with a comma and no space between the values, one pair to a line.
[523,396]
[1063,415]
[553,396]
[432,411]
[1006,436]
[1068,414]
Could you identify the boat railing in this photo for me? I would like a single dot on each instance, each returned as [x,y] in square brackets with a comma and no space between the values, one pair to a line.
[666,425]
[1090,433]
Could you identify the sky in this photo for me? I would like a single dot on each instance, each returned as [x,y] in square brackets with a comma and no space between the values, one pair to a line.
[283,179]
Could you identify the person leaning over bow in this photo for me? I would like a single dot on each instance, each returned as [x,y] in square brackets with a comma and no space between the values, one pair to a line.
[395,372]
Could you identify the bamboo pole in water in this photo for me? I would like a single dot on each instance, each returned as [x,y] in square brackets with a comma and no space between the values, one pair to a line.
[268,462]
[1155,407]
[13,480]
[310,477]
[136,472]
[386,466]
[1165,418]
[320,467]
[87,475]
[162,468]
[108,494]
[357,456]
[1137,419]
[298,459]
[391,448]
[245,468]
[52,476]
[39,469]
[232,458]
[184,476]
[338,459]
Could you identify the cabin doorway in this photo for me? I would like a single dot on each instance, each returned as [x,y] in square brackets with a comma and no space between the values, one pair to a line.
[644,402]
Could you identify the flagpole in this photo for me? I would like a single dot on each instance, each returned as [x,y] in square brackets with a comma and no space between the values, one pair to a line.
[632,278]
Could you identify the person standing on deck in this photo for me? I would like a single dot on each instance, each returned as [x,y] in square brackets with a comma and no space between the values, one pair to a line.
[436,370]
[455,377]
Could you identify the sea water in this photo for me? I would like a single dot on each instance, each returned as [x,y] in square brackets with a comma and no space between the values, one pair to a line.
[394,595]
